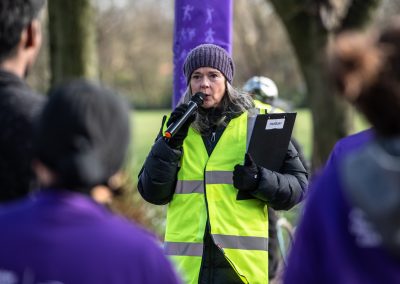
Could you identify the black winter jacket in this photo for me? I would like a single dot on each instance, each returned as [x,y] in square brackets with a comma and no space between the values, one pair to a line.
[279,190]
[19,106]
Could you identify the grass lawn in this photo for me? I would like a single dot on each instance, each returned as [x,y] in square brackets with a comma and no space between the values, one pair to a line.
[146,125]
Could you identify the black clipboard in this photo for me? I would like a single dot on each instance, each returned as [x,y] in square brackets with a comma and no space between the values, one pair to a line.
[270,139]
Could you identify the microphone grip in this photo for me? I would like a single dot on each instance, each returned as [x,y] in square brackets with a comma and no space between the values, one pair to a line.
[174,127]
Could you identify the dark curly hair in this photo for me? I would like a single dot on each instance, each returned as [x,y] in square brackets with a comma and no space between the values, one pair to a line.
[366,70]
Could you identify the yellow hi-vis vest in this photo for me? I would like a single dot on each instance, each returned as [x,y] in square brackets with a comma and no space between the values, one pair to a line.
[205,188]
[266,108]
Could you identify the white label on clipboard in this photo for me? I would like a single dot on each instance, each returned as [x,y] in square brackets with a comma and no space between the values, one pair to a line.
[275,123]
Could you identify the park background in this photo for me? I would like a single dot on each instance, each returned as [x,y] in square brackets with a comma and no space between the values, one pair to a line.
[128,45]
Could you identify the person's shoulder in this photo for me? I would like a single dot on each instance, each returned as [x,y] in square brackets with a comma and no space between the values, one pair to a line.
[328,176]
[355,140]
[12,210]
[20,98]
[281,104]
[28,98]
[131,233]
[145,250]
[348,144]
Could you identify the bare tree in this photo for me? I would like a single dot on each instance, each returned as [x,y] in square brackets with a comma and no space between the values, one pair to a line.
[136,54]
[310,25]
[261,48]
[72,39]
[135,47]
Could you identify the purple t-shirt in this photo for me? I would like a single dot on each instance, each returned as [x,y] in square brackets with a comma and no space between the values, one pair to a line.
[348,144]
[333,243]
[62,237]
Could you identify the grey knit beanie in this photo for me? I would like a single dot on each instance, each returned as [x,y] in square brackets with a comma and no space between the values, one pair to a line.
[209,55]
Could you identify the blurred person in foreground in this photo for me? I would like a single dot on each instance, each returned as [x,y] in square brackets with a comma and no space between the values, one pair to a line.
[20,41]
[217,222]
[265,95]
[350,227]
[64,233]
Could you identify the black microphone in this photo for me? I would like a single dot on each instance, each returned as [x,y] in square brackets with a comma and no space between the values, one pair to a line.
[193,105]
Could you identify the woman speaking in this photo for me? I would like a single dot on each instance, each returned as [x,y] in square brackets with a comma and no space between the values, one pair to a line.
[213,234]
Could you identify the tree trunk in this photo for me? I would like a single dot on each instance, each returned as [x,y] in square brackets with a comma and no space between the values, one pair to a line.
[310,38]
[72,37]
[330,115]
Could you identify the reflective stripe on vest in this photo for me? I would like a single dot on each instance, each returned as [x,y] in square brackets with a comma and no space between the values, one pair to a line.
[188,249]
[238,242]
[219,177]
[233,242]
[205,188]
[189,186]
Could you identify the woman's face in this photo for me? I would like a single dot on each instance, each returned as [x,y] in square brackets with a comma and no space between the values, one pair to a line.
[211,82]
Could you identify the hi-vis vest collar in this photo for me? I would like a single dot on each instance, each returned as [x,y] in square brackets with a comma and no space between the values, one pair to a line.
[205,190]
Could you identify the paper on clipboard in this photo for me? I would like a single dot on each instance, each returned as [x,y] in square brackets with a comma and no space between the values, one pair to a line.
[270,139]
[275,123]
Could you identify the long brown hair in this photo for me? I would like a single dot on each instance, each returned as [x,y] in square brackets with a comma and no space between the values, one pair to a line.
[233,104]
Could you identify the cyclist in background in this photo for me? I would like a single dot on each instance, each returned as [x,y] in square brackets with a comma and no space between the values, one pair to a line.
[265,95]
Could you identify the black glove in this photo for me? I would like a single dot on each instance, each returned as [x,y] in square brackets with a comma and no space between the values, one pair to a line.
[247,177]
[176,141]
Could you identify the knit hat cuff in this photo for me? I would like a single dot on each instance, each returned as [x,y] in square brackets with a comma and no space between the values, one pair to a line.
[209,55]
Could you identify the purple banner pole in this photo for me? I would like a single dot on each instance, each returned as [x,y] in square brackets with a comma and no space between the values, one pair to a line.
[197,22]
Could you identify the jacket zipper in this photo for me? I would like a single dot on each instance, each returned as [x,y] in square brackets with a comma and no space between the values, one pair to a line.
[213,137]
